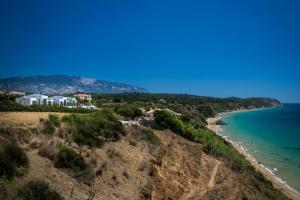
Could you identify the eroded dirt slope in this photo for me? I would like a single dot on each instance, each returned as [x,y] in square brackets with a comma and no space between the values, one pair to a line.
[175,169]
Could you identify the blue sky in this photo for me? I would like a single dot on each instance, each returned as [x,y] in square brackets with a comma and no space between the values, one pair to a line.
[215,48]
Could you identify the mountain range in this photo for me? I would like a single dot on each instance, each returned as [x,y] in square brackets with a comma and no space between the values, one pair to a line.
[62,84]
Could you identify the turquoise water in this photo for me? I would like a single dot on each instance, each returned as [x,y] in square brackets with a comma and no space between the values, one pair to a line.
[272,137]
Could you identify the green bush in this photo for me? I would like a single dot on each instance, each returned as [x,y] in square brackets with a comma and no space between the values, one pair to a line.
[38,190]
[206,111]
[146,135]
[54,119]
[129,110]
[95,128]
[170,121]
[50,124]
[49,127]
[195,121]
[69,159]
[13,160]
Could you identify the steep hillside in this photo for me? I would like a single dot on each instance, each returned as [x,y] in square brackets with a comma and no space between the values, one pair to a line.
[60,84]
[134,162]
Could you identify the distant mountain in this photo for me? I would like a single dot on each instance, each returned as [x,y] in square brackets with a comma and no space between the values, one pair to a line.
[61,84]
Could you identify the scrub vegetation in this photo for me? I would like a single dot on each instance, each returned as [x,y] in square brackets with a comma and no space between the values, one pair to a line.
[13,161]
[145,134]
[37,189]
[128,110]
[78,168]
[94,129]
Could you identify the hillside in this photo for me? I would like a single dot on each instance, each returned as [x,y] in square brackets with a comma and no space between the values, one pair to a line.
[61,84]
[92,156]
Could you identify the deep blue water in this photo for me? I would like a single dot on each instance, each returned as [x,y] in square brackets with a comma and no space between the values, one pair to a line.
[272,136]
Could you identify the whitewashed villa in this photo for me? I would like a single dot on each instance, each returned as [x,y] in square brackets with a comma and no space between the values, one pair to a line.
[39,99]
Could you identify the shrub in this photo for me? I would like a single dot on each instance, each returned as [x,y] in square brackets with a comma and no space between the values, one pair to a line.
[206,110]
[170,121]
[129,110]
[38,190]
[49,127]
[68,159]
[50,124]
[95,128]
[13,160]
[146,135]
[54,119]
[217,146]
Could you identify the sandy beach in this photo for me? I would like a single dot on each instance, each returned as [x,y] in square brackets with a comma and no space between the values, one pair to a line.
[277,182]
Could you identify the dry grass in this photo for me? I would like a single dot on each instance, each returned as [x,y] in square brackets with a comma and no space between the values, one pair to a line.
[21,119]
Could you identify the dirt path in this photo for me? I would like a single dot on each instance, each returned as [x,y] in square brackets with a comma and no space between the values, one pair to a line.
[211,182]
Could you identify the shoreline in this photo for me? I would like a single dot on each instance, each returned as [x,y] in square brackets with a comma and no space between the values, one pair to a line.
[277,182]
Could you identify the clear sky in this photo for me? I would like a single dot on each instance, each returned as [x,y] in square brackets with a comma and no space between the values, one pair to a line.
[216,48]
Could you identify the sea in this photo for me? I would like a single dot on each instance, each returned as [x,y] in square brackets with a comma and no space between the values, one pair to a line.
[271,137]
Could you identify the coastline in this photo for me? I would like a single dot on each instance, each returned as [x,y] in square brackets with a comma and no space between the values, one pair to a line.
[276,181]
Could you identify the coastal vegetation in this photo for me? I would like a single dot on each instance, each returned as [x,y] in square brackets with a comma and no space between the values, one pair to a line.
[129,110]
[13,161]
[145,134]
[37,189]
[69,159]
[217,104]
[50,124]
[94,129]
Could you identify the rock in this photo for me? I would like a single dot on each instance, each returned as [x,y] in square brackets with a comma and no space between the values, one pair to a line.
[125,174]
[47,152]
[221,122]
[146,192]
[74,145]
[99,172]
[35,143]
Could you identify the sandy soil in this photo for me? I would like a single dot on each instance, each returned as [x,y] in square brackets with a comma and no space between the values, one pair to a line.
[284,188]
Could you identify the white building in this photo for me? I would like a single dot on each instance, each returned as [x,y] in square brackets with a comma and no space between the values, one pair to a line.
[39,99]
[33,99]
[92,107]
[63,101]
